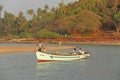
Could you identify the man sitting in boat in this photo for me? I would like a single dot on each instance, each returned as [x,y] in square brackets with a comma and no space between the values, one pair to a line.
[44,50]
[80,51]
[74,51]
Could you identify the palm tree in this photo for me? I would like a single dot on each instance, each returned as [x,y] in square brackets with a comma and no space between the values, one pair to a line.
[1,7]
[21,22]
[46,9]
[39,12]
[8,23]
[30,12]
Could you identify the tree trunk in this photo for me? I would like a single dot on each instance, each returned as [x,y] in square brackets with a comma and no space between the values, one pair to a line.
[118,29]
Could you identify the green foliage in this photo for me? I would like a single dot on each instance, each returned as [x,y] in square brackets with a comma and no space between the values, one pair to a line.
[12,36]
[117,16]
[44,33]
[25,35]
[77,10]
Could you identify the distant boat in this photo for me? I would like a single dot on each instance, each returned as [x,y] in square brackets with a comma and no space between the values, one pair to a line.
[49,57]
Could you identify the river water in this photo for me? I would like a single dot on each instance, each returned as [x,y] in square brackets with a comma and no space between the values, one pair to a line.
[104,64]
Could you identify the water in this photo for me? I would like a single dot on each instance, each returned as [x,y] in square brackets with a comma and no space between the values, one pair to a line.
[104,64]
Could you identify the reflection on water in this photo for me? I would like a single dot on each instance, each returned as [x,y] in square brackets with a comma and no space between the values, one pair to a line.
[104,64]
[42,65]
[45,65]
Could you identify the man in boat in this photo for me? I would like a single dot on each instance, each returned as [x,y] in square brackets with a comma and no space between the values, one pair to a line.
[80,51]
[44,50]
[40,46]
[74,51]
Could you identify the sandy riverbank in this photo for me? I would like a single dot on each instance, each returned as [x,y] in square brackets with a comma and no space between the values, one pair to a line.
[114,40]
[13,49]
[96,41]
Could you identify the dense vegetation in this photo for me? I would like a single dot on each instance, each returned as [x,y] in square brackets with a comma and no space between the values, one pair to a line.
[80,18]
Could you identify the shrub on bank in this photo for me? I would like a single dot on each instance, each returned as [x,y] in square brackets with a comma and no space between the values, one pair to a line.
[25,35]
[44,33]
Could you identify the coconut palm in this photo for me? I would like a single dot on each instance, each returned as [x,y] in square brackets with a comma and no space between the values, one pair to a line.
[1,7]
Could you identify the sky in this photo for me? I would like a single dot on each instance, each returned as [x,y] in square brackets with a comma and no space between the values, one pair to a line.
[15,6]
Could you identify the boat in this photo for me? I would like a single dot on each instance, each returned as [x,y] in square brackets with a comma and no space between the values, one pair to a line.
[50,57]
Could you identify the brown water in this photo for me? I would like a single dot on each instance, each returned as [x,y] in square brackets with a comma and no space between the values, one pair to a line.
[104,64]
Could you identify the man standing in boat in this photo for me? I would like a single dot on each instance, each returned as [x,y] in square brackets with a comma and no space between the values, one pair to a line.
[40,46]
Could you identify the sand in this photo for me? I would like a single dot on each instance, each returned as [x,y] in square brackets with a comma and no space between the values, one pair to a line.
[14,49]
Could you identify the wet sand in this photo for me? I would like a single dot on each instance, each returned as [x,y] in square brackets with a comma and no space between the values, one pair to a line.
[13,49]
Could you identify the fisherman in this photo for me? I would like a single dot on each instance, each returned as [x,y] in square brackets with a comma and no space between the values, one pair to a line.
[44,49]
[40,46]
[80,51]
[74,51]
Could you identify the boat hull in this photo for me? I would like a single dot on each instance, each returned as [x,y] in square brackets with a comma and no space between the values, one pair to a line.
[46,57]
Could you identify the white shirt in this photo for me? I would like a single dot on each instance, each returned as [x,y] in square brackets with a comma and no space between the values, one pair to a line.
[40,45]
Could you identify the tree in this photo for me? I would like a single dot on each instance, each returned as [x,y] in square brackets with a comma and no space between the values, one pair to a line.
[39,12]
[46,9]
[86,21]
[30,12]
[1,7]
[117,21]
[8,22]
[63,25]
[20,24]
[62,9]
[115,4]
[44,33]
[117,15]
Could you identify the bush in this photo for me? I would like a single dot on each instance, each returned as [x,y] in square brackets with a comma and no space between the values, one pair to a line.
[86,32]
[44,33]
[25,35]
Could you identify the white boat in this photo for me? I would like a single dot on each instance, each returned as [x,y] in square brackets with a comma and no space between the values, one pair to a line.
[48,57]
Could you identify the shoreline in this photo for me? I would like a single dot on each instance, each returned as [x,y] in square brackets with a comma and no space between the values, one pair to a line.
[95,43]
[87,41]
[14,49]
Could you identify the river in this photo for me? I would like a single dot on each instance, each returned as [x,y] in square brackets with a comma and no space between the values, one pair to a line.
[103,64]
